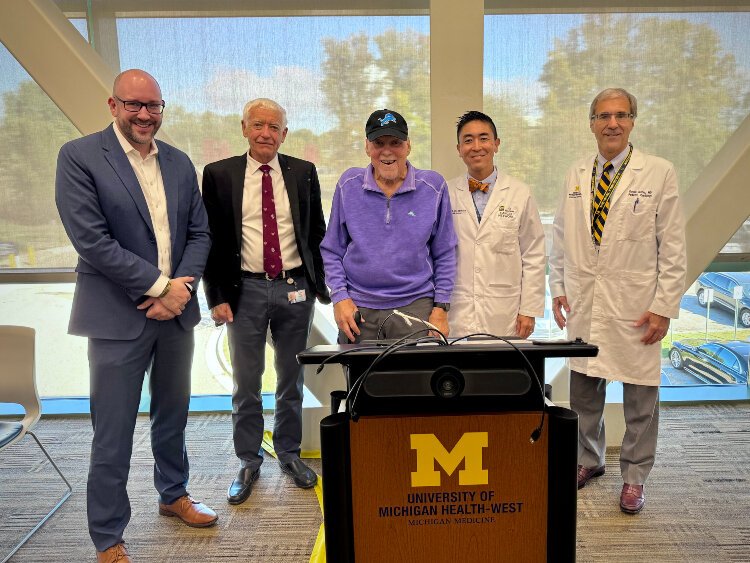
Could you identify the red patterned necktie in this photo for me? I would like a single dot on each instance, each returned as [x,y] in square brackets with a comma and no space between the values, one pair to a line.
[475,185]
[271,250]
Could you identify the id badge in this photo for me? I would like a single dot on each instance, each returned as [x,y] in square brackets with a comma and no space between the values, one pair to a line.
[298,296]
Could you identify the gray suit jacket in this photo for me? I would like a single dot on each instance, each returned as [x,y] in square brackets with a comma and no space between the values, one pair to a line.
[104,212]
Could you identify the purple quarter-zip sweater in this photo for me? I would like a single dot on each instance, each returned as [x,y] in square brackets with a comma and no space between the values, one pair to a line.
[385,253]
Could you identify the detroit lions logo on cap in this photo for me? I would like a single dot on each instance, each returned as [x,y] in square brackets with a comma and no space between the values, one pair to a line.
[388,118]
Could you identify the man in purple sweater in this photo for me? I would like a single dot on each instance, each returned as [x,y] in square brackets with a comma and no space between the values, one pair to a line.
[390,242]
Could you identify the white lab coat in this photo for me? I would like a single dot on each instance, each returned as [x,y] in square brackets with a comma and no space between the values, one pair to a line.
[640,266]
[500,271]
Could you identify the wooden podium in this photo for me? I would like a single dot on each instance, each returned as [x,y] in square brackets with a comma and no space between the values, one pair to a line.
[443,456]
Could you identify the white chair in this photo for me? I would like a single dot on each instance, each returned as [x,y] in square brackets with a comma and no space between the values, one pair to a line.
[18,385]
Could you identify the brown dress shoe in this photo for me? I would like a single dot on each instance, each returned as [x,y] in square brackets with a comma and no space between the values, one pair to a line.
[632,499]
[115,554]
[585,474]
[195,514]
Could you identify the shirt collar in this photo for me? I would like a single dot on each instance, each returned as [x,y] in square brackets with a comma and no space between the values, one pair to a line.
[253,165]
[491,179]
[616,161]
[408,185]
[128,148]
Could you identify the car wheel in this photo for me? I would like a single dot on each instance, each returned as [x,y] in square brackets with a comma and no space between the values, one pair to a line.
[701,294]
[745,317]
[675,358]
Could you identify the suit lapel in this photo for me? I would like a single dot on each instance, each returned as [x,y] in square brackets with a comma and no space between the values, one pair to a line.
[464,197]
[237,179]
[171,191]
[584,183]
[290,183]
[119,161]
[628,176]
[496,196]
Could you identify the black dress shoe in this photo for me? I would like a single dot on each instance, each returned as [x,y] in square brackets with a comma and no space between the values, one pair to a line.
[303,476]
[242,485]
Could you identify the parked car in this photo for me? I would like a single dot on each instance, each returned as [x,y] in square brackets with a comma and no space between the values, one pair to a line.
[723,284]
[713,362]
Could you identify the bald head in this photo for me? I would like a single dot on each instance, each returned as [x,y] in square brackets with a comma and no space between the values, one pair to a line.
[135,122]
[134,78]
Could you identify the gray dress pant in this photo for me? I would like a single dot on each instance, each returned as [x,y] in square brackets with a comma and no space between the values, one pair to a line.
[265,304]
[383,324]
[165,350]
[641,410]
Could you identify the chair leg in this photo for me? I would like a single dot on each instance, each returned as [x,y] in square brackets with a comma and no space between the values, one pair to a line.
[65,496]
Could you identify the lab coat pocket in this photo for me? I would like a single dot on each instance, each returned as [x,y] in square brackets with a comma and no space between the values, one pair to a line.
[506,241]
[635,293]
[638,222]
[503,289]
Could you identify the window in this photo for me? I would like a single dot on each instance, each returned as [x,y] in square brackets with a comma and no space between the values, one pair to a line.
[208,68]
[719,328]
[32,129]
[329,73]
[541,72]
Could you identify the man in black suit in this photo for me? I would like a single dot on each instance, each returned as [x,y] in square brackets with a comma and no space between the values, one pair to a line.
[265,269]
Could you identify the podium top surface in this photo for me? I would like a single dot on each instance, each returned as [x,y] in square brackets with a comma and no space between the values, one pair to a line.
[348,353]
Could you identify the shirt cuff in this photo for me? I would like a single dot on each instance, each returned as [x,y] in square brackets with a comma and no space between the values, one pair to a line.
[156,289]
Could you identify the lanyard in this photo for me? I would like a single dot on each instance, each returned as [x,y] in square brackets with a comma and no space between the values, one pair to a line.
[596,213]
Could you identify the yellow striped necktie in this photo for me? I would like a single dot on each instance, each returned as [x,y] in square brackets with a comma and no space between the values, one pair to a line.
[597,227]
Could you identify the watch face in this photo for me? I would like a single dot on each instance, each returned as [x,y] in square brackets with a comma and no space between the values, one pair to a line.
[444,306]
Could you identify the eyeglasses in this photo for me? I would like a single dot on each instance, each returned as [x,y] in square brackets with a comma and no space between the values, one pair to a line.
[620,117]
[135,106]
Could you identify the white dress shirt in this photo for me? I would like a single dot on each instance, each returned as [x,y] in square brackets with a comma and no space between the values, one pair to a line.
[481,198]
[148,173]
[252,218]
[616,162]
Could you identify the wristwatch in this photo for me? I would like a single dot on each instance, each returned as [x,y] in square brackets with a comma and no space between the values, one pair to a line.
[444,306]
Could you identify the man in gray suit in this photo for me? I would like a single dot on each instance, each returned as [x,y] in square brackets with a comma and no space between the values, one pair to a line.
[133,212]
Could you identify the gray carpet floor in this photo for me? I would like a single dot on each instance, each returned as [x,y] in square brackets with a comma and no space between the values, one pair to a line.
[698,498]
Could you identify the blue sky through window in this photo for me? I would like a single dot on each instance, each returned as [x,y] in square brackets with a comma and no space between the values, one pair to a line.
[195,58]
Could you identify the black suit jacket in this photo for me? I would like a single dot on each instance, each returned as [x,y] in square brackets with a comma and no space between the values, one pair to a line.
[223,190]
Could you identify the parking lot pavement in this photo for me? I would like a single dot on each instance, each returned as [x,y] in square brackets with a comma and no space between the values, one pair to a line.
[692,314]
[671,377]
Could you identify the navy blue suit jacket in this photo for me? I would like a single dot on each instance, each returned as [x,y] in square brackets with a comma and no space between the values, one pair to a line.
[106,217]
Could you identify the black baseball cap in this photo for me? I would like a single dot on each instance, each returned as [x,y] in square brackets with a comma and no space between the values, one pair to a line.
[386,122]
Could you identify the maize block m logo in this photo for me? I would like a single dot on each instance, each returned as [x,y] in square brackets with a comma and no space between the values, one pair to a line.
[430,451]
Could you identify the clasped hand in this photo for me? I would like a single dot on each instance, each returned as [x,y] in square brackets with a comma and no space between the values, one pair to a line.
[172,304]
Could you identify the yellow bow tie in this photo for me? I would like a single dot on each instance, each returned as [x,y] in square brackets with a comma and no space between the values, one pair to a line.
[475,185]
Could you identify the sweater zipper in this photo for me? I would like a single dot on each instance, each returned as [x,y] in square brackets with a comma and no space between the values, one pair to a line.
[387,211]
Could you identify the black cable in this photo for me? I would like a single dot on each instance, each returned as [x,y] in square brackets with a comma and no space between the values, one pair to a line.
[390,349]
[537,433]
[406,338]
[387,351]
[337,355]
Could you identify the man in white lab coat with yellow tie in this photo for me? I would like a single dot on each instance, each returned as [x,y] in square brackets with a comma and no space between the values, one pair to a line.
[617,274]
